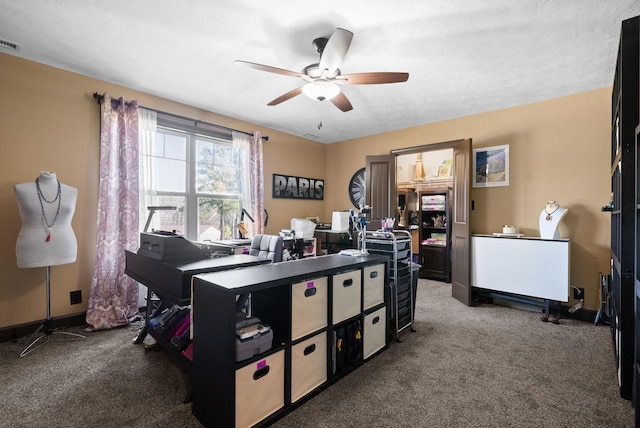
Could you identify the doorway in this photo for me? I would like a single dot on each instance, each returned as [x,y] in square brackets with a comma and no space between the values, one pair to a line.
[424,190]
[382,178]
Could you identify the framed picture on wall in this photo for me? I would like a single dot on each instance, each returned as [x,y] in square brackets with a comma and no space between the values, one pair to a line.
[491,166]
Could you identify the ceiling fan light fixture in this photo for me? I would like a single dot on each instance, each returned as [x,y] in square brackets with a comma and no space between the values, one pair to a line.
[322,80]
[321,90]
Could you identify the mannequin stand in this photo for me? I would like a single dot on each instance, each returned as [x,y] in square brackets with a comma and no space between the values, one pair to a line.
[49,334]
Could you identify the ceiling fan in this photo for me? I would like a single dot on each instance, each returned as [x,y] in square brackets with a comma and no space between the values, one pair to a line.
[323,78]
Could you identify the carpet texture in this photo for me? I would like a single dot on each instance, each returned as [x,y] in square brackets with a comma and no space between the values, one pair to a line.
[482,366]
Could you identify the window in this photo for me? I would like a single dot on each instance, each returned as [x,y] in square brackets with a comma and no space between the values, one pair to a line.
[196,170]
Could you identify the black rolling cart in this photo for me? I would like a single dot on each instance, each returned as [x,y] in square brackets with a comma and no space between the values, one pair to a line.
[396,246]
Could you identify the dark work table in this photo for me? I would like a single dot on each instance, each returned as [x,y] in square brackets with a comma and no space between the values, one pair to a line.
[340,242]
[171,281]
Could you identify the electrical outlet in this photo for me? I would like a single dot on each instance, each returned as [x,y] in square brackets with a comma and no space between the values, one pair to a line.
[578,293]
[75,297]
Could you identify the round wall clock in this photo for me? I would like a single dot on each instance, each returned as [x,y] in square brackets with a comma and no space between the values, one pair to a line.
[357,188]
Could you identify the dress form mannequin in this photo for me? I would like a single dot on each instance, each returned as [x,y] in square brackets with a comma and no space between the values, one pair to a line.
[550,219]
[46,237]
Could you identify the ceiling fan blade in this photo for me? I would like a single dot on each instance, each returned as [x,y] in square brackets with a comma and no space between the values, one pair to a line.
[373,78]
[268,68]
[335,50]
[342,102]
[286,96]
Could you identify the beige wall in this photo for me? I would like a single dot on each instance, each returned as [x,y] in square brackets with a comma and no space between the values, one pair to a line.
[559,149]
[49,121]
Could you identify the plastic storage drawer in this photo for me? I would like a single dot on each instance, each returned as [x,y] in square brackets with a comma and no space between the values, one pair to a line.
[308,365]
[373,289]
[309,301]
[387,245]
[347,292]
[374,332]
[259,389]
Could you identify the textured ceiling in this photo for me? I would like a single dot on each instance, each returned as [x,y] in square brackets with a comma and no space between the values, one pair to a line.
[463,56]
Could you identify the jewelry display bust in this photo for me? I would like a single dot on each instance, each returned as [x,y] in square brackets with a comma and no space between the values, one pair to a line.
[46,208]
[550,218]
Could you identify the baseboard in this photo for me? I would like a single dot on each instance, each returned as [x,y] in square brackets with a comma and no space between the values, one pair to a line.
[15,332]
[581,314]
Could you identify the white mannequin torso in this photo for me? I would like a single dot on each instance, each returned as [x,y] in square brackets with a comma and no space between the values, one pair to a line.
[32,247]
[550,220]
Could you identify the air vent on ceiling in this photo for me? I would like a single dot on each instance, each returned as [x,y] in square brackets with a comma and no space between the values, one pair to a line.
[311,136]
[9,45]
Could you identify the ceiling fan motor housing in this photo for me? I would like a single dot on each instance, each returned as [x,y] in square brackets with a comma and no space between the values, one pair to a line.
[319,44]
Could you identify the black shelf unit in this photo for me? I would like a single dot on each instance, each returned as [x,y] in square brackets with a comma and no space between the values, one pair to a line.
[624,212]
[353,330]
[435,234]
[636,374]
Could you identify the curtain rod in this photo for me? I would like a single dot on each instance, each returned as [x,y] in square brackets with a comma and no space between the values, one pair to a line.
[99,98]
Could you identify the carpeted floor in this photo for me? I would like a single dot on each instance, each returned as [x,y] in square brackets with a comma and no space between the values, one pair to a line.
[482,366]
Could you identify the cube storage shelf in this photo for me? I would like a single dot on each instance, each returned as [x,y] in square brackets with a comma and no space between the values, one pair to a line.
[322,330]
[625,212]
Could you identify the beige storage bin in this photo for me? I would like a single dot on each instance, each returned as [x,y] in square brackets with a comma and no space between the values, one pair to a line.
[308,365]
[374,332]
[347,293]
[309,301]
[373,287]
[259,389]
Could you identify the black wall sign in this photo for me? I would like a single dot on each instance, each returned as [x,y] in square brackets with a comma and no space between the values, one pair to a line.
[291,187]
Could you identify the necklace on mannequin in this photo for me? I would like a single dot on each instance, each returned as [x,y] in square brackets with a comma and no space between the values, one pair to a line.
[42,200]
[551,205]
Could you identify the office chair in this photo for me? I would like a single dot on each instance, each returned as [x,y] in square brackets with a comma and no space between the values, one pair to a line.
[267,247]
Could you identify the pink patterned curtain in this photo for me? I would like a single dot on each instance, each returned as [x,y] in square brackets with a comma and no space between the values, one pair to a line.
[257,183]
[113,297]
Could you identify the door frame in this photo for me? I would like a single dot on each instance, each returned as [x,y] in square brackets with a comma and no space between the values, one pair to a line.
[460,210]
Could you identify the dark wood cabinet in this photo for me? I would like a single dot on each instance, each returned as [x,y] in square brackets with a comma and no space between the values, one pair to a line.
[435,236]
[624,211]
[434,262]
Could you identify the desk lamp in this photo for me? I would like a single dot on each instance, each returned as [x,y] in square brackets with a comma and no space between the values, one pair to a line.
[152,211]
[243,230]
